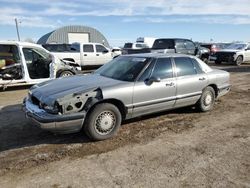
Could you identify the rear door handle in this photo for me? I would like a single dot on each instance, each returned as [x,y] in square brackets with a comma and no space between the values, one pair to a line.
[97,54]
[170,84]
[203,78]
[85,55]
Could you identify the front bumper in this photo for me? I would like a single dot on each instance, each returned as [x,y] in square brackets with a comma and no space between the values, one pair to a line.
[53,122]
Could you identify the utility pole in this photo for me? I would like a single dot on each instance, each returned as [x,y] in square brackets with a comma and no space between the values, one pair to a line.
[18,36]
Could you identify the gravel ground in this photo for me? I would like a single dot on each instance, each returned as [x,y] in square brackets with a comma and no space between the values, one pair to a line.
[180,148]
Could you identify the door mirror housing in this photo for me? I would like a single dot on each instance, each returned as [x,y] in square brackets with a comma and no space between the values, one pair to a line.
[150,80]
[105,51]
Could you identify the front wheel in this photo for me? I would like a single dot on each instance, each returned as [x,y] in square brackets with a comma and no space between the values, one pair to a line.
[103,122]
[207,100]
[65,73]
[239,60]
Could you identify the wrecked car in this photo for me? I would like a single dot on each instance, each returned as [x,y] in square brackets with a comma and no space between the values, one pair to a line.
[23,63]
[129,86]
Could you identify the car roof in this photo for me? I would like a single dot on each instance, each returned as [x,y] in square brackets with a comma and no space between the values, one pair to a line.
[158,55]
[173,39]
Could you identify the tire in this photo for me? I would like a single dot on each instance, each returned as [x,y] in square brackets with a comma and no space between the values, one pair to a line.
[65,73]
[102,122]
[207,100]
[217,62]
[239,60]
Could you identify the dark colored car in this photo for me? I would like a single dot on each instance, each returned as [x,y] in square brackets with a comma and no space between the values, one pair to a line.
[175,45]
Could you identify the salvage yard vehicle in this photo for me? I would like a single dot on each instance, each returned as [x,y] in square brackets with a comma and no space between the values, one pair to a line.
[236,53]
[127,87]
[23,63]
[175,45]
[135,48]
[87,55]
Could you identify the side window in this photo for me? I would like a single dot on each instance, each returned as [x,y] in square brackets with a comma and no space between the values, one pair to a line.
[100,48]
[163,68]
[179,44]
[189,45]
[184,66]
[88,48]
[197,67]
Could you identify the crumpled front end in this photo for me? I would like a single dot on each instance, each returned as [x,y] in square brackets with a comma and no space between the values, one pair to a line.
[64,115]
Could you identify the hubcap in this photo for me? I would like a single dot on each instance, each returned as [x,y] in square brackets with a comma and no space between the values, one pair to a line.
[105,122]
[66,74]
[208,99]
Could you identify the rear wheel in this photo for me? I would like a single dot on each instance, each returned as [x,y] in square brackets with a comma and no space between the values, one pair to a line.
[239,60]
[103,122]
[207,100]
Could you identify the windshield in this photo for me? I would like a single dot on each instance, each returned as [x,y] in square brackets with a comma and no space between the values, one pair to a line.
[124,68]
[237,46]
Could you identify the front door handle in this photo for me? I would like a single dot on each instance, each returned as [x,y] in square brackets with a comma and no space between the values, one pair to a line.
[85,55]
[97,54]
[203,78]
[170,84]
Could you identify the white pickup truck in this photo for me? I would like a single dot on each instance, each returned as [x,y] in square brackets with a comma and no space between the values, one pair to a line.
[23,63]
[86,55]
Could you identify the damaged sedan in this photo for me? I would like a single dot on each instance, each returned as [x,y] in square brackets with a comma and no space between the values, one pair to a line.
[126,87]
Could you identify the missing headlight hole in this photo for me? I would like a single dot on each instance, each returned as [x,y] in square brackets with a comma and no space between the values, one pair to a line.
[69,108]
[78,105]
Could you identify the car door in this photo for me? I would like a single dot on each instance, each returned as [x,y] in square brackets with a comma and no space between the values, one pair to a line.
[153,96]
[103,55]
[37,63]
[191,80]
[89,55]
[190,47]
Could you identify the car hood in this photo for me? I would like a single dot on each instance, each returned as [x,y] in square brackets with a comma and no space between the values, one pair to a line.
[48,92]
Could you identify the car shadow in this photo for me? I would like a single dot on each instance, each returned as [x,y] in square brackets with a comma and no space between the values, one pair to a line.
[17,132]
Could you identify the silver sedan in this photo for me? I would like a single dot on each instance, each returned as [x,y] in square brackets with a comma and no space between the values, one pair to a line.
[127,87]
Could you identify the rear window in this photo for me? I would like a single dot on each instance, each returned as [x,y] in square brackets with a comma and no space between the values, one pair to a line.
[88,48]
[163,44]
[184,66]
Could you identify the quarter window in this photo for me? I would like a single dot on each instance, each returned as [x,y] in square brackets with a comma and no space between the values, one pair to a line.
[163,68]
[184,66]
[88,48]
[197,67]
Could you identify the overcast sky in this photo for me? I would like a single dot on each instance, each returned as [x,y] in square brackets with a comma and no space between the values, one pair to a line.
[123,21]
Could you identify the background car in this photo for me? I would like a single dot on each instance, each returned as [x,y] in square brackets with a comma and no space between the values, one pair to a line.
[175,45]
[236,53]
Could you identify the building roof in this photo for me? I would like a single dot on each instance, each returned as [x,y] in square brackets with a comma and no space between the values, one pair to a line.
[60,35]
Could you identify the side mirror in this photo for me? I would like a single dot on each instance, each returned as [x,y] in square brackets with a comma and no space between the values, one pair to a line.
[150,80]
[105,51]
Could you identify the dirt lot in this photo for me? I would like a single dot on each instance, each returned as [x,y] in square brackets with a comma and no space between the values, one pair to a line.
[180,148]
